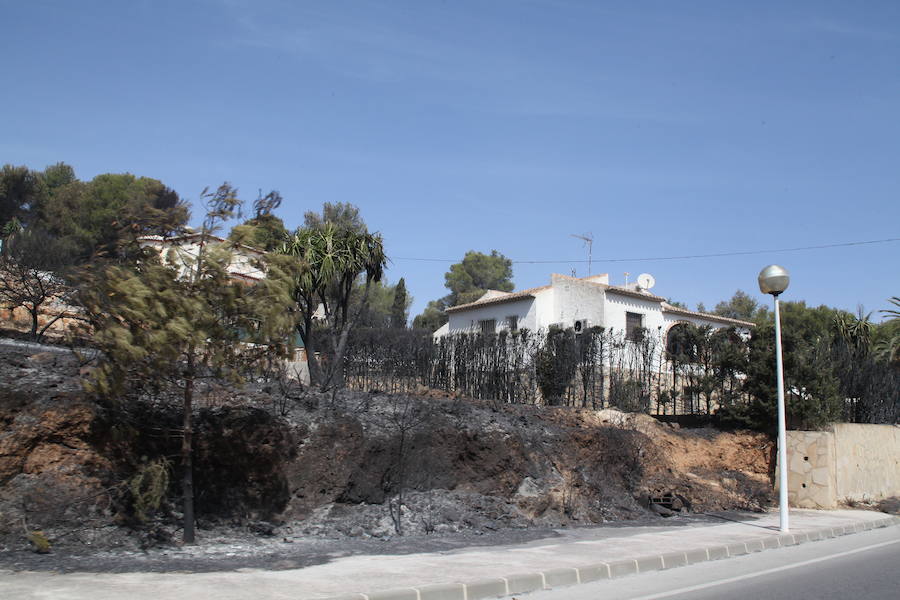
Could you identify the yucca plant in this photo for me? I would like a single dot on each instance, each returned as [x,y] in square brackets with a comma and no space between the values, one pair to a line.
[332,258]
[887,347]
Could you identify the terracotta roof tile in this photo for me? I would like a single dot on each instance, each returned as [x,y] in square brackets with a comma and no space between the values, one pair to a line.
[510,297]
[693,313]
[635,294]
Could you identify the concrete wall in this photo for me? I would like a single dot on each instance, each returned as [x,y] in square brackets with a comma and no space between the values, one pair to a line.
[848,462]
[298,367]
[867,461]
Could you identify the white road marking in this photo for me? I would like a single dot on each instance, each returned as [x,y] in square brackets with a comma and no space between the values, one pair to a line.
[710,584]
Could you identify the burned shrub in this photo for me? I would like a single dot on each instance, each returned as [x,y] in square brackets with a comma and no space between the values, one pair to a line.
[620,458]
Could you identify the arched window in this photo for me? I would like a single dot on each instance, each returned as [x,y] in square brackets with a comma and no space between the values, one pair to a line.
[680,344]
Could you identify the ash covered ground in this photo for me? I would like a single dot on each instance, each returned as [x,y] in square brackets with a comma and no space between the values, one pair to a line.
[286,478]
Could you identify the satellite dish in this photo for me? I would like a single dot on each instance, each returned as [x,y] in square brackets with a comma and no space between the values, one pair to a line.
[645,281]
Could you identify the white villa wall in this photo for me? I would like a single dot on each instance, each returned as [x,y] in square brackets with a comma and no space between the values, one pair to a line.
[568,299]
[543,309]
[573,300]
[184,251]
[468,320]
[619,304]
[601,278]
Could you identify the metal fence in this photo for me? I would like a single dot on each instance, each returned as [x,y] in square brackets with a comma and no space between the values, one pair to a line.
[593,369]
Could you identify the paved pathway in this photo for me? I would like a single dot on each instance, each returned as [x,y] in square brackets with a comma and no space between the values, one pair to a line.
[578,556]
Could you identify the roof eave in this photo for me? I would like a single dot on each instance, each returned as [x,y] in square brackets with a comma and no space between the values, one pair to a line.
[633,294]
[489,302]
[701,315]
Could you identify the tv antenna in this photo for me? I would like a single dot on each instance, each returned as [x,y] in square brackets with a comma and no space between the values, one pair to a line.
[587,238]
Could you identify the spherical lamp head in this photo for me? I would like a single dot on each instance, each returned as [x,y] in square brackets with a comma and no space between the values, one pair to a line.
[774,279]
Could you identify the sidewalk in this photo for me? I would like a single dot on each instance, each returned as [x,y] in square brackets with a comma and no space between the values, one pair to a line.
[578,556]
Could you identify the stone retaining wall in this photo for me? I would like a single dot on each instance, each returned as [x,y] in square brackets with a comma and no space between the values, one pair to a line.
[846,462]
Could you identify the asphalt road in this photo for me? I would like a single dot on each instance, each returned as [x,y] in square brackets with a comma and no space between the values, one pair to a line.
[863,566]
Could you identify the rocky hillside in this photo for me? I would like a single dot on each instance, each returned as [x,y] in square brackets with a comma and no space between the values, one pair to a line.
[353,464]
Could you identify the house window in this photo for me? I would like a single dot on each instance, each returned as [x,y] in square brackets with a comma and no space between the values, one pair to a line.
[512,323]
[679,344]
[488,325]
[634,326]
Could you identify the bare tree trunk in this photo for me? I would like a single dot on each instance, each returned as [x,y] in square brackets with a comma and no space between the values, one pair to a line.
[309,345]
[333,374]
[336,368]
[187,460]
[397,516]
[34,322]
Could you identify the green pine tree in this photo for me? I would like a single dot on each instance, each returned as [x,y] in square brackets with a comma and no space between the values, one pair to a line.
[161,325]
[398,308]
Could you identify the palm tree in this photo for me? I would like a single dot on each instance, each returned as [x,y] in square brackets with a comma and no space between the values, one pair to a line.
[857,331]
[334,258]
[10,229]
[887,348]
[895,314]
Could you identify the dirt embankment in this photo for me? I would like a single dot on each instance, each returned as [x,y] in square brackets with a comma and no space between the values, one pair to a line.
[356,465]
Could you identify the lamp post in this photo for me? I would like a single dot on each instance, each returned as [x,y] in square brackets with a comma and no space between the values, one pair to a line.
[773,280]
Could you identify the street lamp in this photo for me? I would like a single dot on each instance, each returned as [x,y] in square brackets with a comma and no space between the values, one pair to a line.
[773,280]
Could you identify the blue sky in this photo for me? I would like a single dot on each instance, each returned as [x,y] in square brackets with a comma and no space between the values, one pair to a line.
[662,128]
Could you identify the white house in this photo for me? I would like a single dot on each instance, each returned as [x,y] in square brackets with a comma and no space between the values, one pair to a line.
[579,303]
[182,250]
[246,267]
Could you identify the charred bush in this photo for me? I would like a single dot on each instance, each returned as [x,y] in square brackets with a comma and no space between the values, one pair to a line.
[239,464]
[621,454]
[556,363]
[239,459]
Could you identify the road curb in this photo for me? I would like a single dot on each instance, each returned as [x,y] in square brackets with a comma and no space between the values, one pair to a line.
[521,583]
